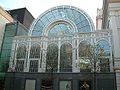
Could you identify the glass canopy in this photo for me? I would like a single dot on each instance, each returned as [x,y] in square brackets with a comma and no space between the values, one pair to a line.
[72,20]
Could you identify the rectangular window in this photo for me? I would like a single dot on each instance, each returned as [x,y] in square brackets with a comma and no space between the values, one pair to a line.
[33,66]
[19,66]
[65,85]
[30,85]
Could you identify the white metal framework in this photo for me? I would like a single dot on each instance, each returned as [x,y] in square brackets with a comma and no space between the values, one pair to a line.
[62,39]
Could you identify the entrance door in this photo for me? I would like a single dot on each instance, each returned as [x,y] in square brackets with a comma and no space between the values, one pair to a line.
[46,85]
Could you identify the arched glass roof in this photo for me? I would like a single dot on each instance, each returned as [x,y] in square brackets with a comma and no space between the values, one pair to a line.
[61,20]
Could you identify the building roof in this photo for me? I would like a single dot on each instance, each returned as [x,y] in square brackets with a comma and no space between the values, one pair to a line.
[23,16]
[19,9]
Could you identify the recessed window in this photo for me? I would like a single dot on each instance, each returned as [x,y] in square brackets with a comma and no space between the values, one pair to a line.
[19,66]
[33,66]
[65,85]
[30,85]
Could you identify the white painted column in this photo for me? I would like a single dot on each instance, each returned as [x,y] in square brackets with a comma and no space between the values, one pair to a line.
[77,49]
[44,56]
[73,60]
[27,61]
[39,61]
[59,45]
[58,59]
[13,56]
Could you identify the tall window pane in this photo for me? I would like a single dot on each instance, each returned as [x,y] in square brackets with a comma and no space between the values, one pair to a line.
[35,51]
[19,66]
[66,58]
[52,58]
[33,66]
[30,85]
[21,52]
[85,57]
[103,53]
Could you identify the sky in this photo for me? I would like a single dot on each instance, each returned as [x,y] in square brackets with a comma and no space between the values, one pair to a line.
[37,7]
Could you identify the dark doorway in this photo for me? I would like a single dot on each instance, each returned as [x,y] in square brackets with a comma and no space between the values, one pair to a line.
[46,85]
[85,85]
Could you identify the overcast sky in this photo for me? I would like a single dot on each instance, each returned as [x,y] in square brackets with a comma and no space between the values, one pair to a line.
[36,7]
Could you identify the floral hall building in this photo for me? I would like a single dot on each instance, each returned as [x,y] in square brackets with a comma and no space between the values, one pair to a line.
[61,51]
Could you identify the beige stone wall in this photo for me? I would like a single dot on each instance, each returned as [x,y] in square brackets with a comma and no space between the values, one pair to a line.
[114,17]
[4,18]
[113,1]
[5,15]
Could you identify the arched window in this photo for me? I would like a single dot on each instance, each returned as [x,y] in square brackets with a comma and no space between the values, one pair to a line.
[61,28]
[85,56]
[103,48]
[35,51]
[103,54]
[21,52]
[75,16]
[52,58]
[66,58]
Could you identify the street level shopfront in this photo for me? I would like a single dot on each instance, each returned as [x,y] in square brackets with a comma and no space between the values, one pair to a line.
[59,81]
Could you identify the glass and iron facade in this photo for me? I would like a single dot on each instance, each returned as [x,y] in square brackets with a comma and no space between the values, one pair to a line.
[62,44]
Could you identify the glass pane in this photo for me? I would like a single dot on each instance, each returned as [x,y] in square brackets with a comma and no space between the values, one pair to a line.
[33,66]
[52,58]
[30,85]
[56,14]
[66,58]
[103,48]
[61,29]
[79,18]
[19,66]
[104,65]
[65,85]
[35,51]
[21,52]
[85,56]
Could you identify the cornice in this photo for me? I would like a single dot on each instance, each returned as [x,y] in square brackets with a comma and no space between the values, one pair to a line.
[113,1]
[5,14]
